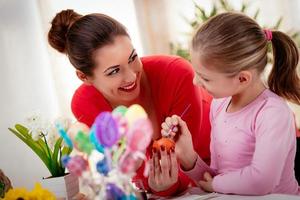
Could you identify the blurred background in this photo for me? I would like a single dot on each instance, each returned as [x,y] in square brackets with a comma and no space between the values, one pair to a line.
[36,77]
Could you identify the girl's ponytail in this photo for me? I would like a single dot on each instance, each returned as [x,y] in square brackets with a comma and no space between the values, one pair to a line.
[283,79]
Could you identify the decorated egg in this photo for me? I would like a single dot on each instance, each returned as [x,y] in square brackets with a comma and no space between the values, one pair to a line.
[140,135]
[168,143]
[76,165]
[127,163]
[120,110]
[75,128]
[106,129]
[135,112]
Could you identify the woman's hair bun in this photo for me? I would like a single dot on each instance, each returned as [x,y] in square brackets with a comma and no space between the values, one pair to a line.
[57,36]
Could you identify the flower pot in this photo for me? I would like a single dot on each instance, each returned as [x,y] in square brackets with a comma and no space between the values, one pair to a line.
[63,187]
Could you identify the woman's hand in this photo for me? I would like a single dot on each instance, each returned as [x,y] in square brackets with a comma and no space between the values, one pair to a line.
[164,171]
[207,183]
[184,145]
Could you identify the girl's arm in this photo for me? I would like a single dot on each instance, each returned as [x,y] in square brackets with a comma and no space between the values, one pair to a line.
[190,162]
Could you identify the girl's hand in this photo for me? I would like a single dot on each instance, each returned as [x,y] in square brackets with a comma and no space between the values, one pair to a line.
[184,145]
[207,183]
[164,171]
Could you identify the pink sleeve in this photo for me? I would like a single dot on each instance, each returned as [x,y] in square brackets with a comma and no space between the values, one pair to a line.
[275,136]
[200,167]
[213,111]
[197,172]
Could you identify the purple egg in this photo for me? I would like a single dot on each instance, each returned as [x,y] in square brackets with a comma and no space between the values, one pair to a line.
[113,192]
[107,132]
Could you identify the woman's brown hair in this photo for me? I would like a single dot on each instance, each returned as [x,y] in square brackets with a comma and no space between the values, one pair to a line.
[79,36]
[232,42]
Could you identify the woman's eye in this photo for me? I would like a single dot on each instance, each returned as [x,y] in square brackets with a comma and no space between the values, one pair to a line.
[132,58]
[114,71]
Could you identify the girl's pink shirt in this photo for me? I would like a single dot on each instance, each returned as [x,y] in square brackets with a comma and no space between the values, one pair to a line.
[253,149]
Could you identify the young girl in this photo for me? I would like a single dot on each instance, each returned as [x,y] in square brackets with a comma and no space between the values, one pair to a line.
[253,138]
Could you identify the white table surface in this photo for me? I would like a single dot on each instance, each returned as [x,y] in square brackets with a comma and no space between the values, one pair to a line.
[198,194]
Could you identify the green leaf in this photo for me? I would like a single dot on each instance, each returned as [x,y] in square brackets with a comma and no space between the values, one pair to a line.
[57,146]
[244,7]
[23,130]
[66,151]
[201,13]
[256,14]
[278,23]
[55,157]
[295,35]
[194,24]
[214,11]
[42,145]
[34,147]
[225,5]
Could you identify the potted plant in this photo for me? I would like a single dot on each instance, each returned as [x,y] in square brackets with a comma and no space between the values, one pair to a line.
[43,138]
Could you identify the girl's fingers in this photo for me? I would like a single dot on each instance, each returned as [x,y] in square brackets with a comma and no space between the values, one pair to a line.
[207,176]
[202,184]
[168,121]
[172,134]
[165,126]
[174,120]
[174,129]
[164,133]
[182,125]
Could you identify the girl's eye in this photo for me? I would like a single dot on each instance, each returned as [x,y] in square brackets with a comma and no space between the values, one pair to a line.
[204,79]
[113,71]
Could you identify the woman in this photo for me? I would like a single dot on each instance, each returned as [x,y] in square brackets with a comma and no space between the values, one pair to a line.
[100,49]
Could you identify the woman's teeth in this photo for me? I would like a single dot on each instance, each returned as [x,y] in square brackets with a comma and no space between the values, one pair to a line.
[129,87]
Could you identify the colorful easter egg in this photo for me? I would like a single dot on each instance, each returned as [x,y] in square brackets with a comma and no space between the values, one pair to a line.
[75,128]
[127,163]
[168,143]
[102,167]
[83,142]
[77,165]
[140,135]
[113,192]
[107,132]
[135,112]
[120,110]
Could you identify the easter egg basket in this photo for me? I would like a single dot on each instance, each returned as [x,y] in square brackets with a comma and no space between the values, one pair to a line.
[107,155]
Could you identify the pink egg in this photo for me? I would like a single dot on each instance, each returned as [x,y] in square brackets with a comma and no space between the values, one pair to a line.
[139,136]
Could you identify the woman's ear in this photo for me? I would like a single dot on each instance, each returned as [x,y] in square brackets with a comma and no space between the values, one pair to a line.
[83,77]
